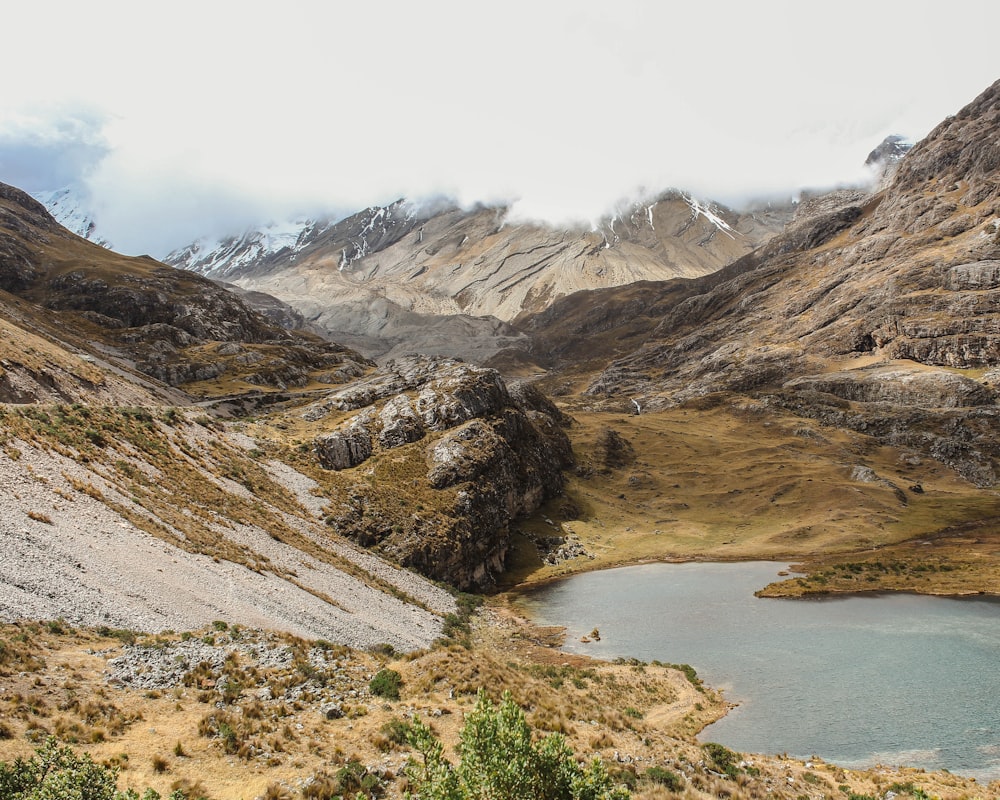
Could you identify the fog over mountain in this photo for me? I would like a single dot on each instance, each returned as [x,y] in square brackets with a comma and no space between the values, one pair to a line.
[561,111]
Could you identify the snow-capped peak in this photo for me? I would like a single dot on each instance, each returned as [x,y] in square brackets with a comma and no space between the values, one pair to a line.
[222,256]
[277,243]
[70,206]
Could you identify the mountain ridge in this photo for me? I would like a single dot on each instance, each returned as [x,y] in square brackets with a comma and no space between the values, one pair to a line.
[389,279]
[893,288]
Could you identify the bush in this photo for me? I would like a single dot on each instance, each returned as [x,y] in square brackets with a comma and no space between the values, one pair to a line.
[396,730]
[723,758]
[386,684]
[664,777]
[57,773]
[499,760]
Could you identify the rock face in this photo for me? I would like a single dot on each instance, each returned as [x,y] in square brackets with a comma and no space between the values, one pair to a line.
[923,388]
[347,447]
[478,454]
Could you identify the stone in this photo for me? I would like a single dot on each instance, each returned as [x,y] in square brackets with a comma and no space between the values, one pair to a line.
[399,423]
[347,447]
[490,456]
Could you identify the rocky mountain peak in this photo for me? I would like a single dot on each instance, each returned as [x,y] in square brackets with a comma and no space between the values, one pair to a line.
[889,151]
[958,162]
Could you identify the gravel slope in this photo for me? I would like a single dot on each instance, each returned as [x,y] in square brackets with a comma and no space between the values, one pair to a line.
[80,560]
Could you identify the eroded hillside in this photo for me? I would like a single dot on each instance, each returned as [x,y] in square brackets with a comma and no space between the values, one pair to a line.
[442,280]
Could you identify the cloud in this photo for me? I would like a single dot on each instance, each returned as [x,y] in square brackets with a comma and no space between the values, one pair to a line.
[223,113]
[44,150]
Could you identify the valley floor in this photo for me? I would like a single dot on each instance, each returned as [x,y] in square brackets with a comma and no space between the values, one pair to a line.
[230,712]
[725,484]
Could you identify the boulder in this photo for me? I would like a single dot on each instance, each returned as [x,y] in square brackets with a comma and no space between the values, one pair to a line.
[347,447]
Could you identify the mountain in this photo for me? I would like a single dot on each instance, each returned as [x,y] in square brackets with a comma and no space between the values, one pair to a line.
[889,151]
[443,280]
[828,397]
[126,503]
[877,312]
[104,357]
[146,317]
[71,208]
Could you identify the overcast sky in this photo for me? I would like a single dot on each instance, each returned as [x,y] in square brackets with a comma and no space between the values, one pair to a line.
[186,118]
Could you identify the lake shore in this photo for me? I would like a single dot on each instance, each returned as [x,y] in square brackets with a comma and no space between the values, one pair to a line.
[802,656]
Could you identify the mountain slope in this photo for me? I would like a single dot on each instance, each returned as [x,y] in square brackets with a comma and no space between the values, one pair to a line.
[438,277]
[889,303]
[169,324]
[69,207]
[98,329]
[123,504]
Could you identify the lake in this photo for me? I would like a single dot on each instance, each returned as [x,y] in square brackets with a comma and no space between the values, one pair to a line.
[856,680]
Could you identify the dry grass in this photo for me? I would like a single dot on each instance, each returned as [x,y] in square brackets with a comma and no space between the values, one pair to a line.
[37,354]
[268,739]
[144,460]
[728,482]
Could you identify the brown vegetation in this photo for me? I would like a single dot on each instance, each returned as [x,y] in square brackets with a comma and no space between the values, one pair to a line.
[275,736]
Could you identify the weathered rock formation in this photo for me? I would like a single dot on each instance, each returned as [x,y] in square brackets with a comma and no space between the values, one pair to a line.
[475,456]
[921,388]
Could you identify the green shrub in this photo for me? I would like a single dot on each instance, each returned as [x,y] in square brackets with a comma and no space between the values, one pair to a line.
[500,760]
[396,730]
[58,773]
[664,777]
[724,759]
[386,684]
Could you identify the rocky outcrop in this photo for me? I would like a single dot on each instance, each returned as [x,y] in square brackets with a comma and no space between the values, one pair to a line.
[400,423]
[477,455]
[160,296]
[919,388]
[976,276]
[396,376]
[347,447]
[963,439]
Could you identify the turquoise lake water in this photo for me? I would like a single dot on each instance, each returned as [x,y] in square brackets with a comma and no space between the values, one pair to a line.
[859,680]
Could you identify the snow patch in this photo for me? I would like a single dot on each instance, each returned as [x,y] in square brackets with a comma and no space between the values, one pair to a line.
[709,212]
[70,206]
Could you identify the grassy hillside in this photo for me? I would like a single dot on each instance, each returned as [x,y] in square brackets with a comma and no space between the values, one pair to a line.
[727,479]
